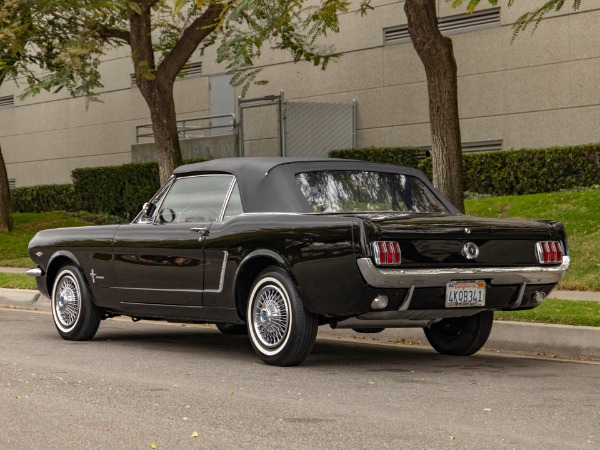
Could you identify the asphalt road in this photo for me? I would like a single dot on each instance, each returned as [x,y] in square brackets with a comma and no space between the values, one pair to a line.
[142,383]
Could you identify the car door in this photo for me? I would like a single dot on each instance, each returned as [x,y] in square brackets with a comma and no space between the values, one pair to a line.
[160,260]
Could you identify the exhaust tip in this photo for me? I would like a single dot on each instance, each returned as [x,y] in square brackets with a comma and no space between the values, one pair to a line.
[538,297]
[379,302]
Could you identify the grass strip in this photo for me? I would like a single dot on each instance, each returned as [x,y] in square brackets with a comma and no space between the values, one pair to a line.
[578,211]
[562,312]
[17,281]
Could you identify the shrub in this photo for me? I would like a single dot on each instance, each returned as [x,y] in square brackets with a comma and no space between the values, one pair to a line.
[116,190]
[43,198]
[529,171]
[404,156]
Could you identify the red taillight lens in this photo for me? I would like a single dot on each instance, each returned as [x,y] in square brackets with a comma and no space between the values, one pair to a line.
[549,252]
[386,253]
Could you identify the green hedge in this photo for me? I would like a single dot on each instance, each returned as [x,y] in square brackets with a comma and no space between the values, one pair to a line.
[116,190]
[523,171]
[52,197]
[113,190]
[529,171]
[404,156]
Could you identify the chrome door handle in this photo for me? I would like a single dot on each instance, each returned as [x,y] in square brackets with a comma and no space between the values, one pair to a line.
[201,231]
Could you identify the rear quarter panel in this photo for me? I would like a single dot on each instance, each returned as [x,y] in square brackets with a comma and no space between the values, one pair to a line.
[318,252]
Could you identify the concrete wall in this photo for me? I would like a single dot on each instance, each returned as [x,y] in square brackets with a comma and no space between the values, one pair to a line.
[209,147]
[541,90]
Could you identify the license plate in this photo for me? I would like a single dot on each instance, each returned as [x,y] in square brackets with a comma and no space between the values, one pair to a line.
[465,294]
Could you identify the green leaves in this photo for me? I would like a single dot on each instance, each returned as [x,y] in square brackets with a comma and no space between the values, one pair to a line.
[294,26]
[535,17]
[523,22]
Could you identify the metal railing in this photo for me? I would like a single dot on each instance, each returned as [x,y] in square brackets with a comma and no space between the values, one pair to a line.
[186,129]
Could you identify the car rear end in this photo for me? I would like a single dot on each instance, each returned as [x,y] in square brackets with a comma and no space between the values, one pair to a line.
[436,266]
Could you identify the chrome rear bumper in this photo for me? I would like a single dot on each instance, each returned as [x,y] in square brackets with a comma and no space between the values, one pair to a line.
[406,278]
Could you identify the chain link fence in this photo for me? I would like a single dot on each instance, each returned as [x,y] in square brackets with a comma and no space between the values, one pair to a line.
[270,126]
[314,129]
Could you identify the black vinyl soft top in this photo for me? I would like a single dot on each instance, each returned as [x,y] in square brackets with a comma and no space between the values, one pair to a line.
[269,185]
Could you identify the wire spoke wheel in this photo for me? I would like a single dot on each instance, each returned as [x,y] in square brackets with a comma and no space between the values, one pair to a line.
[74,313]
[281,331]
[271,312]
[68,303]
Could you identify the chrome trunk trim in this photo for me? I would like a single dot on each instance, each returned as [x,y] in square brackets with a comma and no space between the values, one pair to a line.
[406,278]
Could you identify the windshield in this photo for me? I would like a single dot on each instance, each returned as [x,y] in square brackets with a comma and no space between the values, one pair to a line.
[339,191]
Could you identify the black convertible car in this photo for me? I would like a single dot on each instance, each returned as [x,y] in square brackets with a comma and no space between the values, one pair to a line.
[276,247]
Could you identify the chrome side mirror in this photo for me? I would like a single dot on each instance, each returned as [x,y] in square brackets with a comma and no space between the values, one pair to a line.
[148,210]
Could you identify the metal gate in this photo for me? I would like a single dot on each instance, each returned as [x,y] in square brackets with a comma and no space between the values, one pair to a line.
[270,126]
[261,125]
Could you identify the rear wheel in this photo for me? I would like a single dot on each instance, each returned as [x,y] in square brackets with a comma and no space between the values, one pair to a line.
[281,331]
[368,330]
[231,328]
[461,336]
[75,315]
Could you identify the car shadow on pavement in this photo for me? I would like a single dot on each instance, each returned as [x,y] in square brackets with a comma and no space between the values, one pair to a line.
[207,341]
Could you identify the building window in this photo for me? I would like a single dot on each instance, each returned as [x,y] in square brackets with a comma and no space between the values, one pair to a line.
[461,23]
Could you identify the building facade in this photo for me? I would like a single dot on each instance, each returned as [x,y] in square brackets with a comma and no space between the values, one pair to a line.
[541,90]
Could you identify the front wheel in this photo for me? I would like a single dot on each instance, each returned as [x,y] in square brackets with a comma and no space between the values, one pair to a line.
[281,331]
[75,315]
[460,336]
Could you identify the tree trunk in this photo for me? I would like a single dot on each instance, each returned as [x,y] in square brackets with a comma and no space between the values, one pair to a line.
[156,83]
[437,56]
[6,223]
[157,90]
[164,125]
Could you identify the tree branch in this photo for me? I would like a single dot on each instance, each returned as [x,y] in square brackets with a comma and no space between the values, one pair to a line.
[147,3]
[189,41]
[116,33]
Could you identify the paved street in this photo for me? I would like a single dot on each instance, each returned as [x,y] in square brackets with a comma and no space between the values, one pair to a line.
[136,384]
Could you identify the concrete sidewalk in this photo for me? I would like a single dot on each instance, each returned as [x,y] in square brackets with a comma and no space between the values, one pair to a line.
[13,270]
[561,340]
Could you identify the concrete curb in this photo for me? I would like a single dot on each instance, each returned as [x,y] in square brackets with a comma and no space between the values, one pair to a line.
[563,340]
[24,298]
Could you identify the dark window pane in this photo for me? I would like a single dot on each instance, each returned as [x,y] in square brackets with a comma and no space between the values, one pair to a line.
[362,191]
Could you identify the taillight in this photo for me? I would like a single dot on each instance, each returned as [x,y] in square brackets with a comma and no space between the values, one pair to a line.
[549,252]
[386,253]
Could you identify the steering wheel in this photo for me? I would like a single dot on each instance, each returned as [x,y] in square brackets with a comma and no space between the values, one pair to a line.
[166,215]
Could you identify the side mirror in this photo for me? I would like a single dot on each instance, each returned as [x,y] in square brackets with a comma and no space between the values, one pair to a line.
[148,209]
